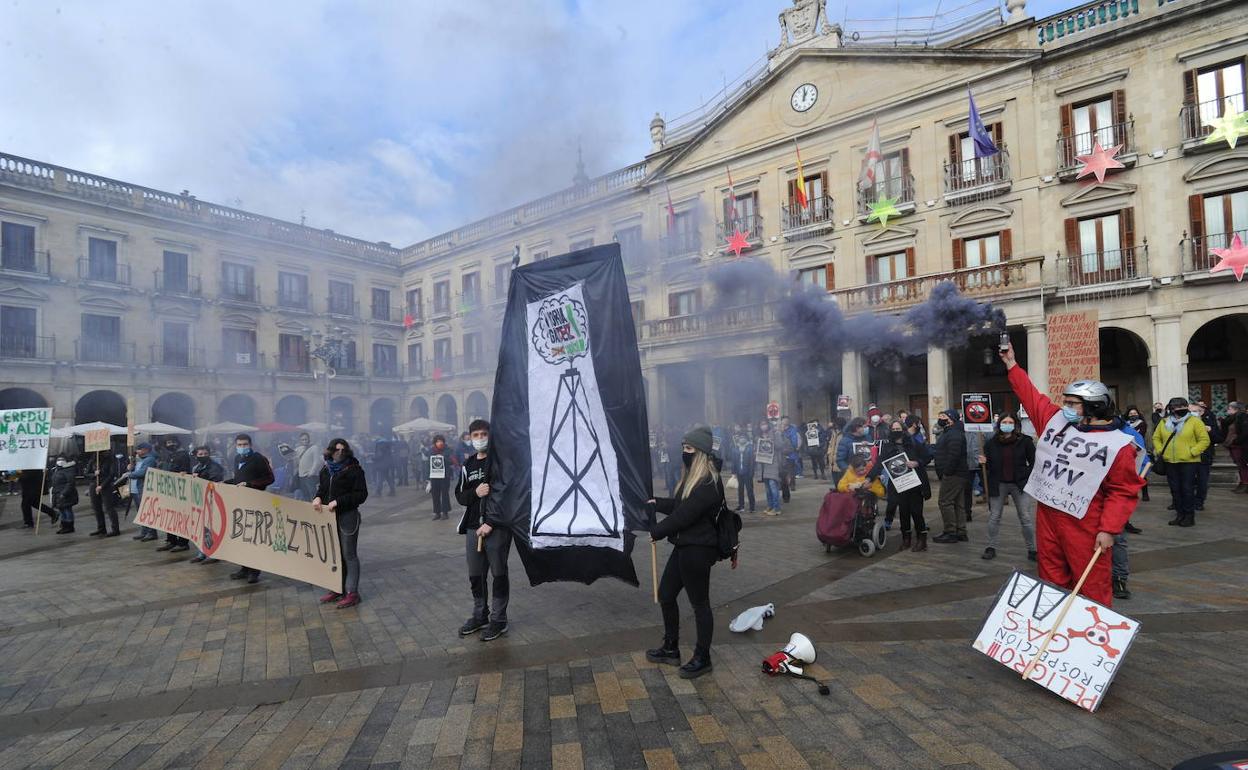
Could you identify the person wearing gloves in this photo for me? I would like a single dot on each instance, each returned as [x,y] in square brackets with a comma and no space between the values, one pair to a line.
[251,470]
[690,528]
[208,469]
[1180,439]
[1010,457]
[342,488]
[488,546]
[136,476]
[65,493]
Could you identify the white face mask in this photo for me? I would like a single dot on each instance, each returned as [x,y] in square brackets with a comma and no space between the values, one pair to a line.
[60,463]
[875,419]
[480,444]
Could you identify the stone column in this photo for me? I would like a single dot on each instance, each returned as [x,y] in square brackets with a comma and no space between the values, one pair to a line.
[1038,356]
[939,383]
[653,410]
[710,394]
[854,382]
[1169,358]
[775,380]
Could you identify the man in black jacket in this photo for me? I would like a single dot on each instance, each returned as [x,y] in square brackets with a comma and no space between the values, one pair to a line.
[103,495]
[251,469]
[1235,434]
[175,459]
[487,545]
[207,469]
[949,459]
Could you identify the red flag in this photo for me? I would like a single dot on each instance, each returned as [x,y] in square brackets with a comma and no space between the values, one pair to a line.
[799,195]
[671,210]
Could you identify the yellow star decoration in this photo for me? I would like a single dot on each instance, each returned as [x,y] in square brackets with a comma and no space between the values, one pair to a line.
[1230,126]
[882,209]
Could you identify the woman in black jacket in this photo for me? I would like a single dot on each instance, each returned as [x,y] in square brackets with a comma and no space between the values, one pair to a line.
[690,528]
[1137,422]
[65,493]
[903,437]
[342,488]
[1009,456]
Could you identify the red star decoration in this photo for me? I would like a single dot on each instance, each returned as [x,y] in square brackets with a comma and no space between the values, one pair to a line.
[1234,258]
[408,321]
[1098,161]
[738,243]
[437,373]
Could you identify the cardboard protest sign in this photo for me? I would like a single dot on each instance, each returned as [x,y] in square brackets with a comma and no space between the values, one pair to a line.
[842,402]
[96,440]
[24,437]
[437,466]
[1070,465]
[715,444]
[977,412]
[1074,349]
[773,410]
[765,453]
[1086,650]
[812,435]
[249,527]
[899,472]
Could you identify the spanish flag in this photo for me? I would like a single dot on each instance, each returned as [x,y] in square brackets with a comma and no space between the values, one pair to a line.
[799,193]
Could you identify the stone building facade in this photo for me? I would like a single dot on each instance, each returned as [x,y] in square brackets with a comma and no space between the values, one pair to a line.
[1017,229]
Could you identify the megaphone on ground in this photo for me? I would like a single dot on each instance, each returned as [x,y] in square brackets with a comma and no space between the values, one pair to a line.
[792,659]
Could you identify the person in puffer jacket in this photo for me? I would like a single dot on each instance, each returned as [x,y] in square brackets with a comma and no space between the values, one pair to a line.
[65,493]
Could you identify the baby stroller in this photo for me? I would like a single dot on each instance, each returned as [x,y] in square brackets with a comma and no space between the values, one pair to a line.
[849,518]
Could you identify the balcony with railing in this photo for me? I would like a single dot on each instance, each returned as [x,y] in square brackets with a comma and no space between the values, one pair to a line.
[468,301]
[799,222]
[1196,120]
[441,307]
[175,357]
[240,360]
[178,284]
[238,292]
[1126,268]
[102,271]
[1070,147]
[750,224]
[385,314]
[29,347]
[104,351]
[342,307]
[294,363]
[685,243]
[978,178]
[19,263]
[900,188]
[386,370]
[294,301]
[716,321]
[1087,18]
[1198,256]
[993,281]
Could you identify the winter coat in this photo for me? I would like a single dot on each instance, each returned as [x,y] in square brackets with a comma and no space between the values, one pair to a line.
[915,450]
[138,476]
[770,471]
[477,510]
[1189,444]
[791,440]
[690,521]
[1235,429]
[849,479]
[209,470]
[949,456]
[1024,459]
[64,487]
[104,474]
[741,459]
[1214,429]
[252,471]
[349,487]
[309,463]
[177,461]
[845,449]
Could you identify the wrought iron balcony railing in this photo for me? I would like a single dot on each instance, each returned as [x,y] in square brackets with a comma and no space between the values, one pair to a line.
[294,300]
[815,215]
[178,283]
[21,261]
[985,281]
[750,224]
[104,351]
[176,357]
[239,291]
[103,271]
[1195,119]
[27,346]
[680,244]
[1069,148]
[1199,257]
[1102,266]
[899,187]
[978,174]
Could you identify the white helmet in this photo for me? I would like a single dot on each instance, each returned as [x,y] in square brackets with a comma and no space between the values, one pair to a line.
[1095,396]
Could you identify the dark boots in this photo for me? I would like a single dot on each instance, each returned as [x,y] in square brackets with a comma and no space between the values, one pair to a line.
[920,542]
[905,540]
[1120,589]
[667,654]
[698,665]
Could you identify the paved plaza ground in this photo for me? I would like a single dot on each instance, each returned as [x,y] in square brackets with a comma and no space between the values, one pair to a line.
[115,656]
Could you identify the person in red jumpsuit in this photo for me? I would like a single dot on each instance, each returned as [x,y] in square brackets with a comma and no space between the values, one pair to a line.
[1064,543]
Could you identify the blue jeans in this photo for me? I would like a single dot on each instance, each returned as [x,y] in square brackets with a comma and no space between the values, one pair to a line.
[1119,566]
[773,493]
[67,515]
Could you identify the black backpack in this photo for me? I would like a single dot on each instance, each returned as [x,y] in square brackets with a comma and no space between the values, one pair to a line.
[727,531]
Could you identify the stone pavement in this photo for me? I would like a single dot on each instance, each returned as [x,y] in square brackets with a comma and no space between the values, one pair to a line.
[113,655]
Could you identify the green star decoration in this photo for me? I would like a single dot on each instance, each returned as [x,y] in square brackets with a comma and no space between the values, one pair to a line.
[883,209]
[1230,126]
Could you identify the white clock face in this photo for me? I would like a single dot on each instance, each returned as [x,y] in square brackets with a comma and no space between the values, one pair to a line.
[804,97]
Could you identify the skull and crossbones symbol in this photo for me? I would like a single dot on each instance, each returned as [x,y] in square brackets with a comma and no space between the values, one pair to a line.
[1097,634]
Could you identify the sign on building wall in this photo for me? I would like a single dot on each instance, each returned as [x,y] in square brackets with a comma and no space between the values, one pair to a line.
[1074,349]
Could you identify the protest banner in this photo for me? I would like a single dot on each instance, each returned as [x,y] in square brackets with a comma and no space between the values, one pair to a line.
[902,475]
[248,527]
[1070,465]
[765,452]
[773,410]
[437,466]
[24,438]
[715,444]
[977,412]
[812,434]
[1085,652]
[842,403]
[1074,349]
[96,440]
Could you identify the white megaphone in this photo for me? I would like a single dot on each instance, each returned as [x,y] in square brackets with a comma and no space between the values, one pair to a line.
[791,660]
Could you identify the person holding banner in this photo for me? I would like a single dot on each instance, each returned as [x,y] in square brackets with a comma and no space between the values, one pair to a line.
[136,476]
[251,469]
[207,469]
[1086,482]
[103,496]
[343,488]
[768,467]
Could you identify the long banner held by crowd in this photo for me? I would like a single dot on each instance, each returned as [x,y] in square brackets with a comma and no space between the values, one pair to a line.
[569,439]
[248,527]
[1085,653]
[24,438]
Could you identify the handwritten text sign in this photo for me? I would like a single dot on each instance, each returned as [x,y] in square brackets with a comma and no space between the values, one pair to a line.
[96,440]
[245,526]
[1071,464]
[24,437]
[1074,350]
[1086,650]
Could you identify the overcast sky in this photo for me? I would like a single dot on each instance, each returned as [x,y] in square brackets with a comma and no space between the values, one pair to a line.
[385,120]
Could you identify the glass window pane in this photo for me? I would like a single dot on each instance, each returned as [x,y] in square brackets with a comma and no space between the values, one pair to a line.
[1083,119]
[1233,81]
[1207,86]
[1239,211]
[1214,215]
[1109,233]
[992,249]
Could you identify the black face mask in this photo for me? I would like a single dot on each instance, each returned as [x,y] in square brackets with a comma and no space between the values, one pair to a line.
[687,459]
[896,435]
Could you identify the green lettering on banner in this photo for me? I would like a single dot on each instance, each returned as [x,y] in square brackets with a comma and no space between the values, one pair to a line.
[279,537]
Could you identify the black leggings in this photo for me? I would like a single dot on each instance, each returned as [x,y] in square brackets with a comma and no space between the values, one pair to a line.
[688,568]
[910,504]
[441,491]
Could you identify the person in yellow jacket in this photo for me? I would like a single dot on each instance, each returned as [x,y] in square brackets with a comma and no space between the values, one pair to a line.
[1179,440]
[857,477]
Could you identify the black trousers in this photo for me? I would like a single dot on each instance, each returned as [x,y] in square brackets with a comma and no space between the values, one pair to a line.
[818,464]
[745,486]
[688,568]
[32,504]
[441,491]
[910,505]
[102,505]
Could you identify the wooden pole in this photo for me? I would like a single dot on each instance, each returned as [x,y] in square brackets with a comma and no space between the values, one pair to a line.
[1061,616]
[654,569]
[43,479]
[480,543]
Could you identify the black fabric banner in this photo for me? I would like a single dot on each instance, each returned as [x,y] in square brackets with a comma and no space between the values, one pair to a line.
[569,439]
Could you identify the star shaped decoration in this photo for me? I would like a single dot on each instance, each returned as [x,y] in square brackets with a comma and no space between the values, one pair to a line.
[738,242]
[408,321]
[1229,126]
[1098,161]
[1234,258]
[882,209]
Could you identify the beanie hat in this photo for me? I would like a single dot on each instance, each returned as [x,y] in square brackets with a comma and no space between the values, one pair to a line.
[873,410]
[953,414]
[143,445]
[700,439]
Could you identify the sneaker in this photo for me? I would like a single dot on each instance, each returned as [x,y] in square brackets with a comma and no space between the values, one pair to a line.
[167,547]
[945,537]
[471,626]
[665,655]
[198,559]
[989,554]
[494,631]
[351,599]
[1134,530]
[332,596]
[254,578]
[179,548]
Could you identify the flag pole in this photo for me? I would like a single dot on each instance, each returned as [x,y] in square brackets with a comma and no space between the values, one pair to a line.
[654,569]
[1061,616]
[480,543]
[43,479]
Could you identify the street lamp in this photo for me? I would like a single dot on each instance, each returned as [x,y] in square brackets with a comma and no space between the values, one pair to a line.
[328,347]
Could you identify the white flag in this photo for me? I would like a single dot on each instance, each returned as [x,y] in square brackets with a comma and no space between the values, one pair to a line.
[872,162]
